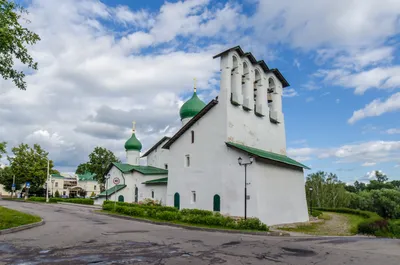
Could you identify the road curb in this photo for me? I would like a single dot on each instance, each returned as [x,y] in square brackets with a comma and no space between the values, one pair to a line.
[22,227]
[81,205]
[271,233]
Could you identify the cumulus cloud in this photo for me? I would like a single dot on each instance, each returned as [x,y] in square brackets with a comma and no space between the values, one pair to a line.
[289,92]
[365,152]
[393,131]
[94,78]
[376,108]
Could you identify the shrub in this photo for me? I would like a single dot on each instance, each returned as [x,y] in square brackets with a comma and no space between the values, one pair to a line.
[168,216]
[55,200]
[92,195]
[316,213]
[197,212]
[57,194]
[394,228]
[80,201]
[251,224]
[37,199]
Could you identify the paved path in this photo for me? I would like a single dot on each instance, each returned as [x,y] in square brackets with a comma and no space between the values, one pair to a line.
[76,235]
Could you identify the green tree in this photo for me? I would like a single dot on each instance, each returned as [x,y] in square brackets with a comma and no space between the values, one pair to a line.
[3,146]
[13,40]
[360,186]
[327,190]
[30,164]
[99,160]
[82,168]
[351,188]
[380,177]
[57,194]
[395,183]
[6,178]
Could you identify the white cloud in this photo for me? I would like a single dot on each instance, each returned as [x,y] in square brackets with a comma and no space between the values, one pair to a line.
[368,164]
[370,175]
[377,108]
[339,24]
[296,63]
[309,99]
[289,92]
[311,85]
[93,79]
[393,131]
[365,152]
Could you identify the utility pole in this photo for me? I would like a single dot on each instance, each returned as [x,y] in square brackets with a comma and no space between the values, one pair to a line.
[13,187]
[47,180]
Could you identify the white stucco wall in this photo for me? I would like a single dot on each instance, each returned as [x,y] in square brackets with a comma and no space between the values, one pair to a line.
[158,157]
[133,157]
[89,187]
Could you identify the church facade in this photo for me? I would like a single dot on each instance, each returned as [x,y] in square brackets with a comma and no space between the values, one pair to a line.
[228,156]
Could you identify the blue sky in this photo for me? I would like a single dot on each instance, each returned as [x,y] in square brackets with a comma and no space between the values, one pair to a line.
[106,63]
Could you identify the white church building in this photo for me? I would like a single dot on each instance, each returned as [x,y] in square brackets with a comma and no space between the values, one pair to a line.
[231,147]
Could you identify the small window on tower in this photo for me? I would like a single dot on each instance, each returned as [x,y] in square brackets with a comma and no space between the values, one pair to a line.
[192,137]
[187,161]
[166,166]
[152,194]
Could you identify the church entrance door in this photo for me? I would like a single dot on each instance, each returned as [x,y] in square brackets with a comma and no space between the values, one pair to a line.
[177,200]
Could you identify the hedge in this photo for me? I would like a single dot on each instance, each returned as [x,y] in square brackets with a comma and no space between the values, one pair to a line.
[188,216]
[55,200]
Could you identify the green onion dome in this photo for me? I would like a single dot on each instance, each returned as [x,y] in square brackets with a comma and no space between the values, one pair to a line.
[133,143]
[191,107]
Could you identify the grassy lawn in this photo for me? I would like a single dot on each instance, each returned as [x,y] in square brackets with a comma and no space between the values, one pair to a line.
[334,224]
[179,222]
[10,218]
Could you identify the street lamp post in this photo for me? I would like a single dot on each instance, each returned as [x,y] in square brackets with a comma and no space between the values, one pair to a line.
[47,180]
[311,189]
[240,161]
[106,178]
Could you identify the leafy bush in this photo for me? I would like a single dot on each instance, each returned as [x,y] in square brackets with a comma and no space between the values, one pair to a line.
[316,213]
[394,228]
[168,216]
[152,202]
[80,201]
[385,202]
[92,195]
[57,194]
[251,224]
[189,216]
[37,199]
[197,212]
[55,200]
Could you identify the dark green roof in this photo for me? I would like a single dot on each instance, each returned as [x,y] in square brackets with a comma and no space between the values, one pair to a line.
[156,181]
[267,155]
[145,170]
[133,143]
[191,107]
[112,190]
[57,176]
[87,177]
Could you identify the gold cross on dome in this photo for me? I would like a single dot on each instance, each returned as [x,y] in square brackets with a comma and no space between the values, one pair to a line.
[133,126]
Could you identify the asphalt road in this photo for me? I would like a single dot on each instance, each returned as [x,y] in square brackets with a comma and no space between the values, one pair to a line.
[77,235]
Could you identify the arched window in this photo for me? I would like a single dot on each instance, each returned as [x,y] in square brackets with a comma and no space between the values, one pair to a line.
[121,198]
[236,97]
[271,90]
[217,203]
[257,83]
[246,88]
[177,200]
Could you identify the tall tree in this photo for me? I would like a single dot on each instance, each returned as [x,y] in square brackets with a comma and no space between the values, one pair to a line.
[29,164]
[13,40]
[3,146]
[99,160]
[82,168]
[380,177]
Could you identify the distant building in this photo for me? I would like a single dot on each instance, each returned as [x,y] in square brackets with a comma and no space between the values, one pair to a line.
[73,185]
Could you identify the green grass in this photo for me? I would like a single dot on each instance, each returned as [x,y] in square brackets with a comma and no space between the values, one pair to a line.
[179,222]
[10,218]
[334,224]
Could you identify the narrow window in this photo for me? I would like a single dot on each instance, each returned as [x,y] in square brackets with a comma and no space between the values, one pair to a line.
[56,184]
[166,166]
[152,194]
[193,196]
[187,161]
[94,188]
[192,136]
